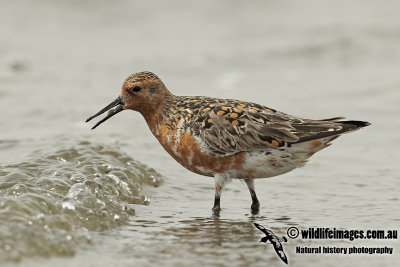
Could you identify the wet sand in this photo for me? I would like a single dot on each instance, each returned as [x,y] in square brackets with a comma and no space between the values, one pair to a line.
[60,63]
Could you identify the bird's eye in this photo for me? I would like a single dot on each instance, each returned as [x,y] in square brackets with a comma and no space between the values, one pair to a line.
[136,88]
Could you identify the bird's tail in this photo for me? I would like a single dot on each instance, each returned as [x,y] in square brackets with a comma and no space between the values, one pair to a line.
[315,143]
[353,125]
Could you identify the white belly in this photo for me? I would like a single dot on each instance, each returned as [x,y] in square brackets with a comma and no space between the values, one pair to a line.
[264,164]
[272,162]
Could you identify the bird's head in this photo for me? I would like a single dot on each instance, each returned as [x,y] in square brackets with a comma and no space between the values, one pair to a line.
[142,91]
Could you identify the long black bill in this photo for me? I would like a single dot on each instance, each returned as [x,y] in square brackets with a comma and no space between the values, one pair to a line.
[116,103]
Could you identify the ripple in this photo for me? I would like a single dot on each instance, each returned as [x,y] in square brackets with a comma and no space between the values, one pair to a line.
[50,204]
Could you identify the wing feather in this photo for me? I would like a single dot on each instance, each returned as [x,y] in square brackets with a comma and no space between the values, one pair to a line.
[231,126]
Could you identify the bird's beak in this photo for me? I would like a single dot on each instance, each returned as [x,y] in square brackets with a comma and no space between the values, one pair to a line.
[116,103]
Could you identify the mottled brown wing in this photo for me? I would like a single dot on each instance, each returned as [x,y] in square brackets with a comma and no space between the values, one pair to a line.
[236,126]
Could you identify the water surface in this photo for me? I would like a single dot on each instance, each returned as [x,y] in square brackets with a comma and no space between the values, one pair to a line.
[70,196]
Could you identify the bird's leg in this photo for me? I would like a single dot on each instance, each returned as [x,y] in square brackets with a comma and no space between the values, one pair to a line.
[217,204]
[220,181]
[255,205]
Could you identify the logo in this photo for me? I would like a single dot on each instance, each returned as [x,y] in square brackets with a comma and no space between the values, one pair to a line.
[274,240]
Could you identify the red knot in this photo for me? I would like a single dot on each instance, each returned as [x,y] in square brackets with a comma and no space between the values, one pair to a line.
[226,138]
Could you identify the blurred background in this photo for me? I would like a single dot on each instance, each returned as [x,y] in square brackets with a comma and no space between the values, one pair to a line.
[69,195]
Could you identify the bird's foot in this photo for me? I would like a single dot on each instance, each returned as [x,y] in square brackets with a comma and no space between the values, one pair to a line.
[217,205]
[216,210]
[255,208]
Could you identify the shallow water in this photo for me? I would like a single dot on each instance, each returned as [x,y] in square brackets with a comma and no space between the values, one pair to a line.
[53,201]
[70,196]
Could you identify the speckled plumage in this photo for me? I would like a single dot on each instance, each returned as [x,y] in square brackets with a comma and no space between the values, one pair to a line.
[226,138]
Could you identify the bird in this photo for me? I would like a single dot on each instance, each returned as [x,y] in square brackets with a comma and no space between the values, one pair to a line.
[225,138]
[275,241]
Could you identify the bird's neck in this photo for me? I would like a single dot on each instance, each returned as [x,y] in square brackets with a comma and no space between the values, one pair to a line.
[156,114]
